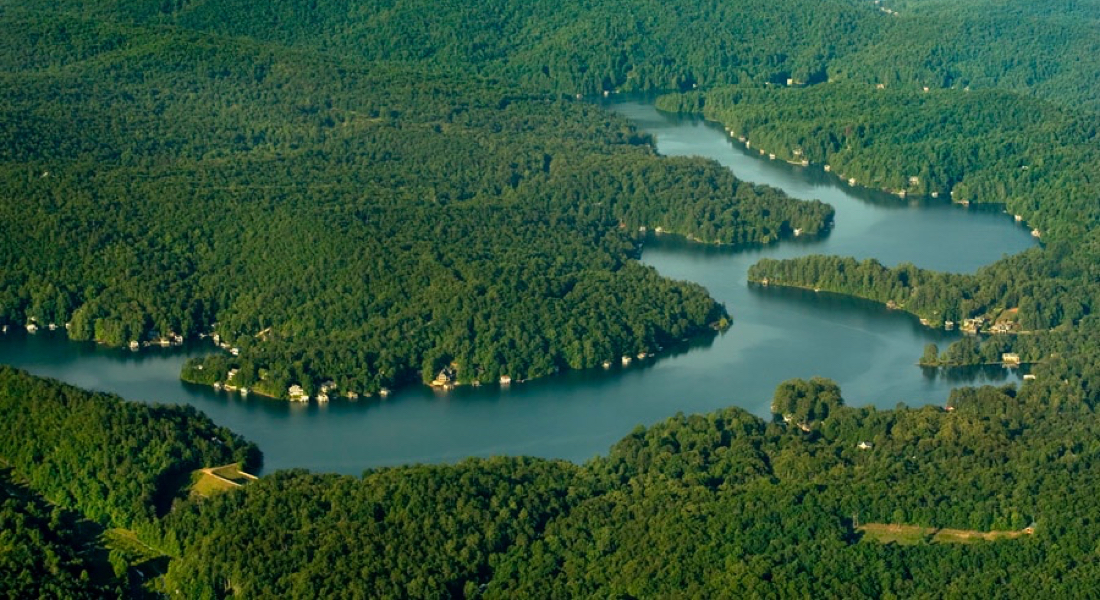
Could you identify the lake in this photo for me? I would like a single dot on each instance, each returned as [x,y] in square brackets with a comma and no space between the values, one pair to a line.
[777,334]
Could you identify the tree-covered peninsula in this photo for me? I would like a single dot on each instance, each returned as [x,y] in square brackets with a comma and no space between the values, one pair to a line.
[1033,156]
[353,199]
[335,220]
[357,193]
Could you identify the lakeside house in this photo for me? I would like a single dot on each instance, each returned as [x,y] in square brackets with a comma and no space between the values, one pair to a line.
[505,379]
[972,325]
[297,393]
[626,360]
[1010,358]
[445,379]
[384,392]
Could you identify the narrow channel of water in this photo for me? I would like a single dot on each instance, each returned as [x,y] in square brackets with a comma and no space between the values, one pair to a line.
[777,334]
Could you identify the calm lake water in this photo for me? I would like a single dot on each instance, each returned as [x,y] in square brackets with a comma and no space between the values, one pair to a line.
[777,334]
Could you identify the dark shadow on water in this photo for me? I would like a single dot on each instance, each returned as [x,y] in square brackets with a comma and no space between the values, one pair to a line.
[48,341]
[984,374]
[839,303]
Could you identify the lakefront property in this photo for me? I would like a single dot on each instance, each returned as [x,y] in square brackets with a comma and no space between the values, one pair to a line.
[466,300]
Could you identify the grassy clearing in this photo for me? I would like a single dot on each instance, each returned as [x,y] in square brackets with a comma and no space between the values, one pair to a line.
[965,536]
[905,535]
[205,484]
[233,473]
[885,533]
[215,480]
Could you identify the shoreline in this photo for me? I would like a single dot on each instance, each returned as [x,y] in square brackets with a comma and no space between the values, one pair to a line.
[892,306]
[331,394]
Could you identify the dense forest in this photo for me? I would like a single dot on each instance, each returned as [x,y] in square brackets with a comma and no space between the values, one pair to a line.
[492,215]
[358,195]
[973,147]
[1038,49]
[340,220]
[725,505]
[286,133]
[45,551]
[116,462]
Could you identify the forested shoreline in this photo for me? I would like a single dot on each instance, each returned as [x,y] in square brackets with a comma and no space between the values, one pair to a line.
[371,202]
[1032,156]
[726,505]
[340,223]
[354,197]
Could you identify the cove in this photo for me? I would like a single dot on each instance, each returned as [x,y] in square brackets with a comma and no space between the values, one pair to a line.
[776,335]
